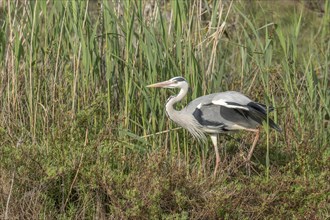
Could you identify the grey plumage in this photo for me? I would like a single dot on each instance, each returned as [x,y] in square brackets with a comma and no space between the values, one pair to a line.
[216,113]
[243,112]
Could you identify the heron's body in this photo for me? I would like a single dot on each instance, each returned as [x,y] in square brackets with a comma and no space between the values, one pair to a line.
[216,113]
[215,118]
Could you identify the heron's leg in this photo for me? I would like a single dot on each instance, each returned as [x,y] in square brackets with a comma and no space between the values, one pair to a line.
[253,145]
[214,138]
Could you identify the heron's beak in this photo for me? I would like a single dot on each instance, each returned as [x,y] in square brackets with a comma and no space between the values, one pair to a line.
[160,84]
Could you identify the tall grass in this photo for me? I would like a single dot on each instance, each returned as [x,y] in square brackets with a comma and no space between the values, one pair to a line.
[82,137]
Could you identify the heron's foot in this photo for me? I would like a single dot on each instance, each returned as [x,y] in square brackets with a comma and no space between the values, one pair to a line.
[249,165]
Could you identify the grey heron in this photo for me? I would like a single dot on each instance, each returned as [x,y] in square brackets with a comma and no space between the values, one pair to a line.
[216,113]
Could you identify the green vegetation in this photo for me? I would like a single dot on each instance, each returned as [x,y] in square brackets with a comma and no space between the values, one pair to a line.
[81,137]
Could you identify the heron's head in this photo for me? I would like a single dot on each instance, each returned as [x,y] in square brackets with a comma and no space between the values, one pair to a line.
[175,82]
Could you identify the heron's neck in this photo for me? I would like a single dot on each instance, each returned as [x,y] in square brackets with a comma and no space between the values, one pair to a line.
[174,99]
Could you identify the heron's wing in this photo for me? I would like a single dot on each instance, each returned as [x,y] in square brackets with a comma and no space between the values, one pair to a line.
[231,111]
[237,100]
[208,115]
